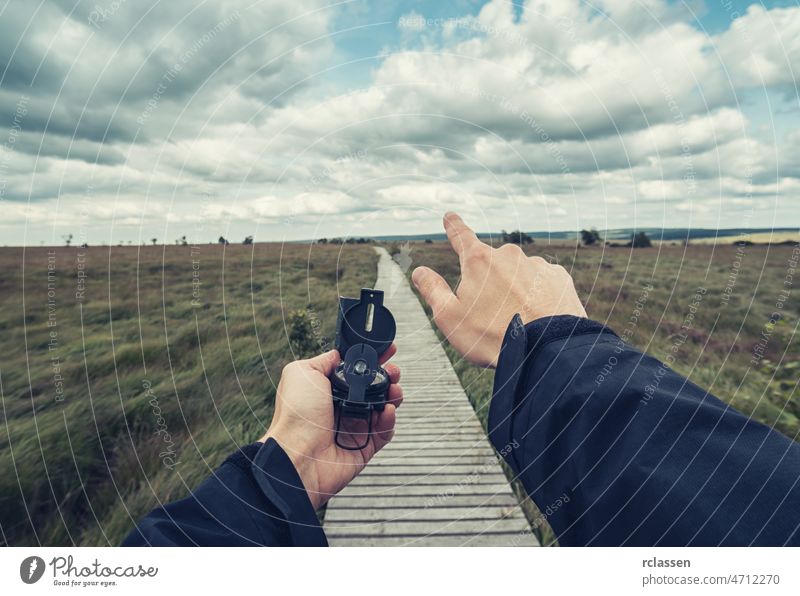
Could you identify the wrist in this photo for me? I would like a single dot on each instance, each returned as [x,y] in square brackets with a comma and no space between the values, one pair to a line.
[304,465]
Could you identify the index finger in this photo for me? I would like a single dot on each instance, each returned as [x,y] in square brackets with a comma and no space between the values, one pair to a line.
[459,234]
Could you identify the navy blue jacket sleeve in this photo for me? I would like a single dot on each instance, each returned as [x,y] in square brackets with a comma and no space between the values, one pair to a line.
[618,449]
[256,498]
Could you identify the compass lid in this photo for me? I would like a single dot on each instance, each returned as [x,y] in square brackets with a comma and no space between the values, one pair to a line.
[364,320]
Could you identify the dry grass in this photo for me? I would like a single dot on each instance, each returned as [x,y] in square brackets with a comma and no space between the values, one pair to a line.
[79,470]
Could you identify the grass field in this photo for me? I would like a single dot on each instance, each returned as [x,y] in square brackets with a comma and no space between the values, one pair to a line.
[132,391]
[167,359]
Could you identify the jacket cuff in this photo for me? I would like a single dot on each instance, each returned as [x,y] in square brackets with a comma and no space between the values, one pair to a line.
[520,344]
[278,480]
[547,329]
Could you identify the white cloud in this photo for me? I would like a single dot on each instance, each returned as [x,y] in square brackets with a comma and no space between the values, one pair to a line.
[762,48]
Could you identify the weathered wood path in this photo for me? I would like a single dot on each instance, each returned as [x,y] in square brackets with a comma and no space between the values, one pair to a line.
[438,483]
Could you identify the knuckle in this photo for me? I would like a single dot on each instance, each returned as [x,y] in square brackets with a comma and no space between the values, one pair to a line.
[458,240]
[424,285]
[567,275]
[511,249]
[292,366]
[441,313]
[430,285]
[561,269]
[481,253]
[537,260]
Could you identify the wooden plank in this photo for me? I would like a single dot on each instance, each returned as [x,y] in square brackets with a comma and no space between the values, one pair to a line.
[435,514]
[469,462]
[401,528]
[432,456]
[434,449]
[427,427]
[426,468]
[424,474]
[486,539]
[429,490]
[437,440]
[465,431]
[386,480]
[421,502]
[441,415]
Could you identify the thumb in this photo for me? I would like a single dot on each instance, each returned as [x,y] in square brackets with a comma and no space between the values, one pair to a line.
[325,362]
[434,289]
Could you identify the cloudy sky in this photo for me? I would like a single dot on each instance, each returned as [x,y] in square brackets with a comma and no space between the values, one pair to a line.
[124,120]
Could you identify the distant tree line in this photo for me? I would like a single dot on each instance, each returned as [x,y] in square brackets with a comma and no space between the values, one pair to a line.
[515,237]
[182,241]
[345,241]
[638,240]
[590,237]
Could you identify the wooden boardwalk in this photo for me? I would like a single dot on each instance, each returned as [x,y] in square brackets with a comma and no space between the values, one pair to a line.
[438,483]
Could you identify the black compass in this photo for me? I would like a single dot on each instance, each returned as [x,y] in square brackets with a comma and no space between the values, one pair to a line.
[364,331]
